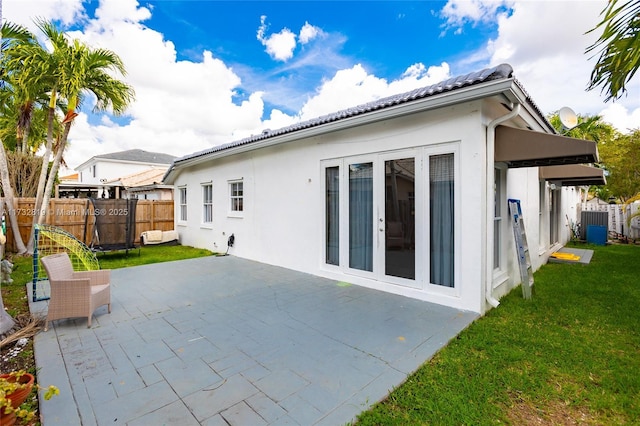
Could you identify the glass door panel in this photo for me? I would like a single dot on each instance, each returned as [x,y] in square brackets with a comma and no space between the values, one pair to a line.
[332,215]
[400,228]
[442,219]
[361,216]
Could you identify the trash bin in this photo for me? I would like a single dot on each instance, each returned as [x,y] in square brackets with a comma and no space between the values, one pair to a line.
[597,234]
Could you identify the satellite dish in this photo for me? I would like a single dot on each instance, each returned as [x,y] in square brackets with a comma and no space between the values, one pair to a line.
[568,118]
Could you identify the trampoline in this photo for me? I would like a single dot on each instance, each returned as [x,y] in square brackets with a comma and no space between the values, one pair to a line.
[114,227]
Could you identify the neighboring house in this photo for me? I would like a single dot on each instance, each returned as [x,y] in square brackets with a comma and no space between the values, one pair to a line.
[406,194]
[598,201]
[99,176]
[111,166]
[69,178]
[145,185]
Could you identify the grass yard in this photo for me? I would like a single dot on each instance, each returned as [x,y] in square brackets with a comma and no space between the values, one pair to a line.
[569,356]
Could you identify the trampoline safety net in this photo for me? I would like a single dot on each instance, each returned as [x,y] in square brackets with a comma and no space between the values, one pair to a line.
[115,224]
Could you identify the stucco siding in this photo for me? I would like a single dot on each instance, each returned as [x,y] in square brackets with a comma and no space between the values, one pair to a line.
[282,221]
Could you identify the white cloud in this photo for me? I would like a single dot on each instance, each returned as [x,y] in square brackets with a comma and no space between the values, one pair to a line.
[180,106]
[355,86]
[280,45]
[621,118]
[545,44]
[22,12]
[184,106]
[116,12]
[308,32]
[458,13]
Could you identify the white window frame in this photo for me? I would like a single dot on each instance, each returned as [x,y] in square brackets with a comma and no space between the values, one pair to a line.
[231,212]
[428,151]
[502,224]
[207,204]
[500,218]
[542,219]
[325,164]
[182,206]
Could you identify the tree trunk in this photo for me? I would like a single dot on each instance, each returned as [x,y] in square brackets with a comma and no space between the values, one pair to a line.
[9,200]
[6,321]
[43,179]
[54,172]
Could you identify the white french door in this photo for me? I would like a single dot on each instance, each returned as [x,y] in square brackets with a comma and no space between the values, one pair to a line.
[397,227]
[379,224]
[391,217]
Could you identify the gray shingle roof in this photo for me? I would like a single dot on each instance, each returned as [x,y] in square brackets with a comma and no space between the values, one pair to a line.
[499,72]
[139,155]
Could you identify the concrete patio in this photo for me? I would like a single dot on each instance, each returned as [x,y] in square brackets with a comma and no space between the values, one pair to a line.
[222,340]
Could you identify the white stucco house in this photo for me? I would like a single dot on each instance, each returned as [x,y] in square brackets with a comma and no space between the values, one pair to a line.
[104,167]
[145,185]
[101,175]
[406,194]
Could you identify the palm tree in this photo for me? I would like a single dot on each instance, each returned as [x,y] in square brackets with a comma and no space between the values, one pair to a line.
[618,47]
[6,321]
[12,35]
[79,70]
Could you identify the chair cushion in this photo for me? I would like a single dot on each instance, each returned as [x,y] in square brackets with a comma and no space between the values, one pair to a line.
[154,236]
[98,288]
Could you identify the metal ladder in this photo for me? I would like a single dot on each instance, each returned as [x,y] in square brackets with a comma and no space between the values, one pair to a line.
[524,259]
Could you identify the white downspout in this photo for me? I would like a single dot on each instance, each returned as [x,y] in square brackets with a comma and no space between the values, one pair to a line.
[491,139]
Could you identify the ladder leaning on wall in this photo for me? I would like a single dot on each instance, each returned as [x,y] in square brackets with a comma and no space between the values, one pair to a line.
[524,259]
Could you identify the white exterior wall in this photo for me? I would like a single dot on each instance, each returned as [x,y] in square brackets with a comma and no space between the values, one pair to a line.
[524,185]
[110,170]
[284,209]
[284,202]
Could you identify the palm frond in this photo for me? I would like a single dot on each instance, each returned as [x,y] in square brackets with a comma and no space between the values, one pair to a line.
[618,48]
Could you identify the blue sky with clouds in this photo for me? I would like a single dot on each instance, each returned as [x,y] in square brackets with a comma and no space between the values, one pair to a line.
[209,72]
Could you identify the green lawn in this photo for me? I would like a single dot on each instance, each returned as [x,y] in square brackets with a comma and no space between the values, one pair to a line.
[571,355]
[148,255]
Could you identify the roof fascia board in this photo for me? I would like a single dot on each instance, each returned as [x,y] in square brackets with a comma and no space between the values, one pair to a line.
[531,109]
[466,94]
[148,187]
[87,185]
[85,164]
[95,160]
[145,163]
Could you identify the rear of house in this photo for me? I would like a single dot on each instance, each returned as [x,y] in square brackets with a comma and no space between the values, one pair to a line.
[406,194]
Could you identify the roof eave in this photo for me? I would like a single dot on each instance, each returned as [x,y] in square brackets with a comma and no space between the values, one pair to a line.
[506,87]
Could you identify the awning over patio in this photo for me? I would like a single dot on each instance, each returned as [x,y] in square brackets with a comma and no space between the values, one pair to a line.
[526,148]
[573,175]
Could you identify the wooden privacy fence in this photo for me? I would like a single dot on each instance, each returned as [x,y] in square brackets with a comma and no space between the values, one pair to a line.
[75,215]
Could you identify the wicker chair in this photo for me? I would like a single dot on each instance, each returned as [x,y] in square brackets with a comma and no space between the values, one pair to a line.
[75,294]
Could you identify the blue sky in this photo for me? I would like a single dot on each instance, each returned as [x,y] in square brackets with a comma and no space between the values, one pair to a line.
[385,37]
[210,72]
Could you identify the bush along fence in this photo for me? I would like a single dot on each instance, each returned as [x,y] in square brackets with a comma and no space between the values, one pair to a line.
[77,217]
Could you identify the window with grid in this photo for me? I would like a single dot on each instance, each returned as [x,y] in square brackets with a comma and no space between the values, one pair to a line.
[207,203]
[183,203]
[236,196]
